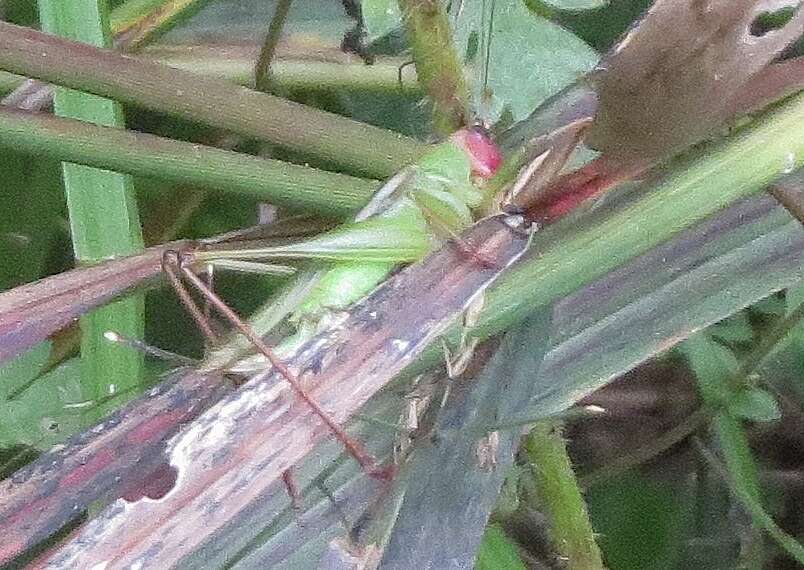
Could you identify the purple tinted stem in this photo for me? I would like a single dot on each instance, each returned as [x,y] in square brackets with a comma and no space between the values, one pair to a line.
[31,313]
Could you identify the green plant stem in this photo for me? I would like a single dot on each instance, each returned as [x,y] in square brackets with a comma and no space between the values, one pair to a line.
[262,71]
[286,74]
[133,24]
[294,186]
[570,529]
[310,132]
[104,220]
[437,64]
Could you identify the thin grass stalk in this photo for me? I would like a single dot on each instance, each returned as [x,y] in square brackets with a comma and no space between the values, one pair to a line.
[262,71]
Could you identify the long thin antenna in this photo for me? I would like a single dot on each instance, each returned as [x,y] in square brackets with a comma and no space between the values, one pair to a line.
[487,32]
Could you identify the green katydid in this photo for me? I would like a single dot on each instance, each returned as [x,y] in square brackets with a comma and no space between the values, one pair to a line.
[401,224]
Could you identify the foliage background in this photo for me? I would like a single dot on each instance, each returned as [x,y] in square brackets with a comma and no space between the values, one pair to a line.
[671,511]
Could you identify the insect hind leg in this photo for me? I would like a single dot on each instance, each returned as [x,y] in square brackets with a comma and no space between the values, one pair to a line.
[179,269]
[174,264]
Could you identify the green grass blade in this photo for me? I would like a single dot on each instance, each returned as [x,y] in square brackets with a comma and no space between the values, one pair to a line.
[103,216]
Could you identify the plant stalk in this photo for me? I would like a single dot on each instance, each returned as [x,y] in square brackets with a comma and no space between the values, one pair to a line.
[262,70]
[437,64]
[287,74]
[312,133]
[294,186]
[570,528]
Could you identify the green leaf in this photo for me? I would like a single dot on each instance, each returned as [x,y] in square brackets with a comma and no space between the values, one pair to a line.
[794,297]
[529,57]
[104,219]
[381,17]
[48,411]
[17,372]
[736,328]
[756,405]
[772,305]
[497,552]
[714,366]
[639,522]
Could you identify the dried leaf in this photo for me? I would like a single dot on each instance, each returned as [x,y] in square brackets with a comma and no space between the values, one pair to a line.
[680,73]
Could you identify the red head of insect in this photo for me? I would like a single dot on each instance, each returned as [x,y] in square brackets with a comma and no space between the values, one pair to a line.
[483,153]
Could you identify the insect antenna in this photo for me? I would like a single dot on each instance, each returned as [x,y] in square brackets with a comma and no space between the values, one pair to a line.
[485,95]
[149,350]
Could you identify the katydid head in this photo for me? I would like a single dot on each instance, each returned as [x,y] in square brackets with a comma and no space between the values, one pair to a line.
[483,153]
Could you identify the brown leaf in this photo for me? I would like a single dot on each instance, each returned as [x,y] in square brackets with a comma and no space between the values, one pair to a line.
[681,73]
